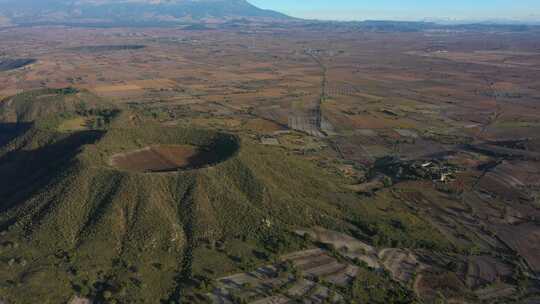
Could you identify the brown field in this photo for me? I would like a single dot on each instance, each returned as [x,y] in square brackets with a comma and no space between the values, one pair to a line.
[525,239]
[116,88]
[262,126]
[162,158]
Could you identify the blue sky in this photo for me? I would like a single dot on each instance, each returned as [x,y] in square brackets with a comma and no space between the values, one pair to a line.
[406,9]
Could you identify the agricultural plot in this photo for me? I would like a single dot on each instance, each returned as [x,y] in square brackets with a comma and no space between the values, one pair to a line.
[341,90]
[363,149]
[346,245]
[502,185]
[483,270]
[402,264]
[408,267]
[273,284]
[524,239]
[308,122]
[263,126]
[105,48]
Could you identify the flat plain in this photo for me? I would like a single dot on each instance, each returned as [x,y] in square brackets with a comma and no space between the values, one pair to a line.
[431,139]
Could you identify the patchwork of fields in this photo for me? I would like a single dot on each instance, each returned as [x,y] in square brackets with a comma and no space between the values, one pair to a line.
[260,165]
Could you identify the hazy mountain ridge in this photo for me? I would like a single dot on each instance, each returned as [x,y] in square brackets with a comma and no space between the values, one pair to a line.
[125,11]
[172,12]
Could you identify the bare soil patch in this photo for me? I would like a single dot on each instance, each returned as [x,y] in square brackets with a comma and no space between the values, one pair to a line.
[402,264]
[164,158]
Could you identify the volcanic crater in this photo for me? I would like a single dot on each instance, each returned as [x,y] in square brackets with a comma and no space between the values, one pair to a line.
[175,156]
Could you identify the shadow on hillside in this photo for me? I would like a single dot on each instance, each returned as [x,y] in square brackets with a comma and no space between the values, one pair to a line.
[224,147]
[25,172]
[10,131]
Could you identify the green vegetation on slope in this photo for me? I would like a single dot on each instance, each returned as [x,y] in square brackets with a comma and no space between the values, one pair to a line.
[139,237]
[51,108]
[97,218]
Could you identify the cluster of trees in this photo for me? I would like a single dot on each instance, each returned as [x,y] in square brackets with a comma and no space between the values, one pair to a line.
[98,118]
[371,287]
[66,91]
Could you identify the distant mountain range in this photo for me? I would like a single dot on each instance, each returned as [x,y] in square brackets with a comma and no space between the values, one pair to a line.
[22,12]
[415,26]
[175,12]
